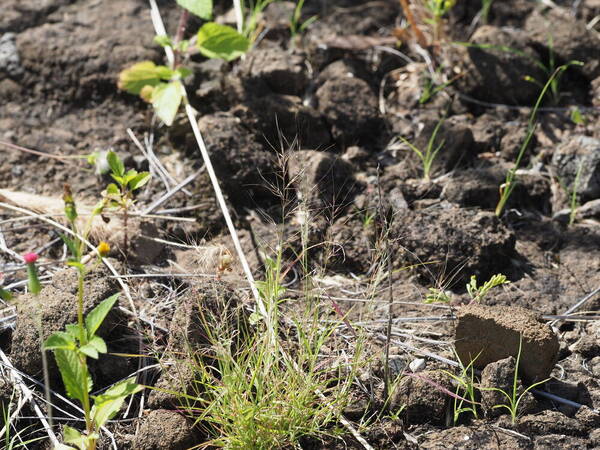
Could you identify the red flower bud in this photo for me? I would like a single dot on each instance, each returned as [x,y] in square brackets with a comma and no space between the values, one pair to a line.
[30,258]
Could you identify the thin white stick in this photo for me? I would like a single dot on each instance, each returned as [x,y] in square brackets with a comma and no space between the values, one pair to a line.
[239,15]
[29,396]
[221,200]
[172,192]
[160,29]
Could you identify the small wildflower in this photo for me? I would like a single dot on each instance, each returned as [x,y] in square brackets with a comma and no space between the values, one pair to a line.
[103,248]
[30,258]
[34,282]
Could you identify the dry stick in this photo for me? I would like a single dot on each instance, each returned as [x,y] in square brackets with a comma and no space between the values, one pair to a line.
[38,153]
[16,377]
[413,23]
[577,305]
[239,15]
[172,192]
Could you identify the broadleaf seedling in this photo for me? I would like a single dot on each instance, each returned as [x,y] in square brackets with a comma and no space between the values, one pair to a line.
[162,86]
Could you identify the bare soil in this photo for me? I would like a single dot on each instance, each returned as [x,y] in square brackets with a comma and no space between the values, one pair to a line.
[336,103]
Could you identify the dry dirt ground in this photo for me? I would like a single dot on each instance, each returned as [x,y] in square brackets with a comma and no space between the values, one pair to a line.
[311,126]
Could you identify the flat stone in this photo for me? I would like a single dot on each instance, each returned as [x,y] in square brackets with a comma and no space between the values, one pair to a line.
[493,332]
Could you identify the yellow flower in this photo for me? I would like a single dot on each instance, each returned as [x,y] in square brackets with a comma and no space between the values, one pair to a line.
[103,248]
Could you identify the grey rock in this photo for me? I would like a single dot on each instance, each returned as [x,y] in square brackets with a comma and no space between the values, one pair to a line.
[10,62]
[579,151]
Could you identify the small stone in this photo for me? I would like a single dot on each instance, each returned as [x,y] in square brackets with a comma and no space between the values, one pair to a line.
[424,403]
[162,429]
[417,365]
[491,333]
[579,151]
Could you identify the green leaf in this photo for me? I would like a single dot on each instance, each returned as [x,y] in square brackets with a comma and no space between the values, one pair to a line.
[109,403]
[166,99]
[140,179]
[220,41]
[202,8]
[60,446]
[163,40]
[73,330]
[96,316]
[73,248]
[144,73]
[112,188]
[77,265]
[72,436]
[115,164]
[95,346]
[183,72]
[72,374]
[60,340]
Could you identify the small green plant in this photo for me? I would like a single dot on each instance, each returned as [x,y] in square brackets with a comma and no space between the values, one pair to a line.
[17,440]
[4,294]
[296,26]
[509,184]
[574,204]
[477,293]
[514,398]
[428,155]
[120,195]
[162,86]
[486,6]
[79,341]
[431,87]
[437,9]
[250,394]
[465,389]
[576,116]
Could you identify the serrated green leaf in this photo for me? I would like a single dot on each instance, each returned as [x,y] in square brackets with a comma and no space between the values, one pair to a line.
[134,78]
[220,41]
[73,330]
[60,340]
[72,374]
[97,315]
[115,163]
[95,346]
[166,99]
[140,179]
[109,403]
[201,8]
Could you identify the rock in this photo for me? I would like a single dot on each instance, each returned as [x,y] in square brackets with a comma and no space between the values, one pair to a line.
[453,241]
[550,422]
[211,304]
[505,70]
[174,382]
[512,142]
[567,38]
[57,304]
[493,333]
[579,151]
[424,403]
[280,71]
[241,164]
[588,345]
[474,187]
[500,375]
[10,62]
[322,179]
[162,429]
[351,109]
[284,116]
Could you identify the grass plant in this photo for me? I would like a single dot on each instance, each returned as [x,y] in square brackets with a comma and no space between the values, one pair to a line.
[465,390]
[513,397]
[429,153]
[509,184]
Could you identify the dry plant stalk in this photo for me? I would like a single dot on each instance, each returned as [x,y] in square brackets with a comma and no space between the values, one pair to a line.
[419,36]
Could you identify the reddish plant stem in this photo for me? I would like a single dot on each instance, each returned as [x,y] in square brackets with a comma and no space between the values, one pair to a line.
[183,20]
